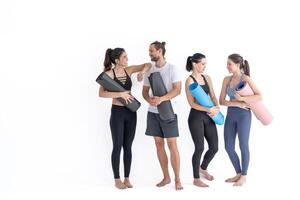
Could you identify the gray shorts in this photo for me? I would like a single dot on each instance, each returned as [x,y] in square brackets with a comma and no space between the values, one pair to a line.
[161,128]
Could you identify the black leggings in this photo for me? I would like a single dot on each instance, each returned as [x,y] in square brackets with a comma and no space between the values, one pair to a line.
[122,125]
[201,125]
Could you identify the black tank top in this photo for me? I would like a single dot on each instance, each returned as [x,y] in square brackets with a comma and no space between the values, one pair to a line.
[124,81]
[205,86]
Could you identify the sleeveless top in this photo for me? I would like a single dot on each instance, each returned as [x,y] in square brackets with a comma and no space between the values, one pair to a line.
[124,81]
[230,91]
[205,86]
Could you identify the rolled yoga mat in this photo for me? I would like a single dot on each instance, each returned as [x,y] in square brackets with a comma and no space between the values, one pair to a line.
[258,108]
[111,85]
[203,99]
[158,88]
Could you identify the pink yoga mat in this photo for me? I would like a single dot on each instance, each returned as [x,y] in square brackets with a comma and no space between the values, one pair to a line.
[258,108]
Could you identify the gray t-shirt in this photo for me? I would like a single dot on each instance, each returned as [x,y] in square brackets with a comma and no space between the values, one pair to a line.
[169,73]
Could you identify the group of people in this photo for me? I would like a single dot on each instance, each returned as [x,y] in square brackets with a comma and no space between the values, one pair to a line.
[201,126]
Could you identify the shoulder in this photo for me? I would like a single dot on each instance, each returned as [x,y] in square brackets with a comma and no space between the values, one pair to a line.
[207,77]
[246,77]
[226,78]
[189,80]
[109,73]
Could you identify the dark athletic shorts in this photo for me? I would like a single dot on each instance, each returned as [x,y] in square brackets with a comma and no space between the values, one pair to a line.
[161,128]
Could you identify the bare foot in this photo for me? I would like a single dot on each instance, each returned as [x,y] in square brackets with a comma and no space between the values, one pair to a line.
[233,179]
[164,182]
[199,183]
[127,183]
[206,174]
[241,181]
[178,185]
[119,184]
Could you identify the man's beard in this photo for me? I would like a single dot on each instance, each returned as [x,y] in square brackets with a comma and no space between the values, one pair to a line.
[154,59]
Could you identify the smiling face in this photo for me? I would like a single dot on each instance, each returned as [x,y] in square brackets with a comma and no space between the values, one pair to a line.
[122,60]
[154,53]
[200,66]
[232,67]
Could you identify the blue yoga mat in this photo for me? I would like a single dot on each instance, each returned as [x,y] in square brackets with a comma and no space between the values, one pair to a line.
[204,100]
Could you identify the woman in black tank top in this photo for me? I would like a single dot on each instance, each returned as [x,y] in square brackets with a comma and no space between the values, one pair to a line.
[122,120]
[200,124]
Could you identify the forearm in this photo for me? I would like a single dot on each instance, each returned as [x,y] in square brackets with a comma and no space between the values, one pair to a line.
[199,107]
[231,103]
[252,98]
[215,101]
[106,94]
[170,95]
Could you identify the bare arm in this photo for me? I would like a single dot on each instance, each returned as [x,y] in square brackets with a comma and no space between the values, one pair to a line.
[138,68]
[211,91]
[106,94]
[173,93]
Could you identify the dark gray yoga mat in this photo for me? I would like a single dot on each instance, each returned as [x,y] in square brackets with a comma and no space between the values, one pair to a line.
[158,89]
[111,85]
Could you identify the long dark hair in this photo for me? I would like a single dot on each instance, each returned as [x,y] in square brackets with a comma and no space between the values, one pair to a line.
[160,45]
[193,59]
[238,59]
[110,56]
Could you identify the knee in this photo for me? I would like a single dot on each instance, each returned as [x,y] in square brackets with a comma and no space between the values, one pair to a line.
[117,148]
[159,144]
[214,149]
[244,149]
[199,149]
[229,148]
[172,145]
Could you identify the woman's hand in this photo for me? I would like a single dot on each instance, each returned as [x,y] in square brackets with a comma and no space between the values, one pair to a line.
[127,96]
[213,111]
[239,97]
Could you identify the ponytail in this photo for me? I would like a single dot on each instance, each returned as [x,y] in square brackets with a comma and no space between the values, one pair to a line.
[246,68]
[189,65]
[107,61]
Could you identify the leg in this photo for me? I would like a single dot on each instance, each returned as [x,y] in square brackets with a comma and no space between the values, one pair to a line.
[230,132]
[175,161]
[129,133]
[117,130]
[163,160]
[211,136]
[243,127]
[197,131]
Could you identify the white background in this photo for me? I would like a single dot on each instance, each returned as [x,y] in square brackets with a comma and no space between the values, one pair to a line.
[55,139]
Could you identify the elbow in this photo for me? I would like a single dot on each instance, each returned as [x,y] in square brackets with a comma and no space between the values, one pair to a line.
[221,102]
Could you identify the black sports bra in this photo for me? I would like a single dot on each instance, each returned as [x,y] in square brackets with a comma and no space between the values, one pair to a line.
[124,81]
[205,86]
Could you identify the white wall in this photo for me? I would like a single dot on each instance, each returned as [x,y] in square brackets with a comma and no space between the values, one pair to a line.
[54,134]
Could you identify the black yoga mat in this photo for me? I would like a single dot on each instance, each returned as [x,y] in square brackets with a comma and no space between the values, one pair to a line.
[158,89]
[111,85]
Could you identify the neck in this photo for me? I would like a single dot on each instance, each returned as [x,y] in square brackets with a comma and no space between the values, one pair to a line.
[119,67]
[237,74]
[196,74]
[161,62]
